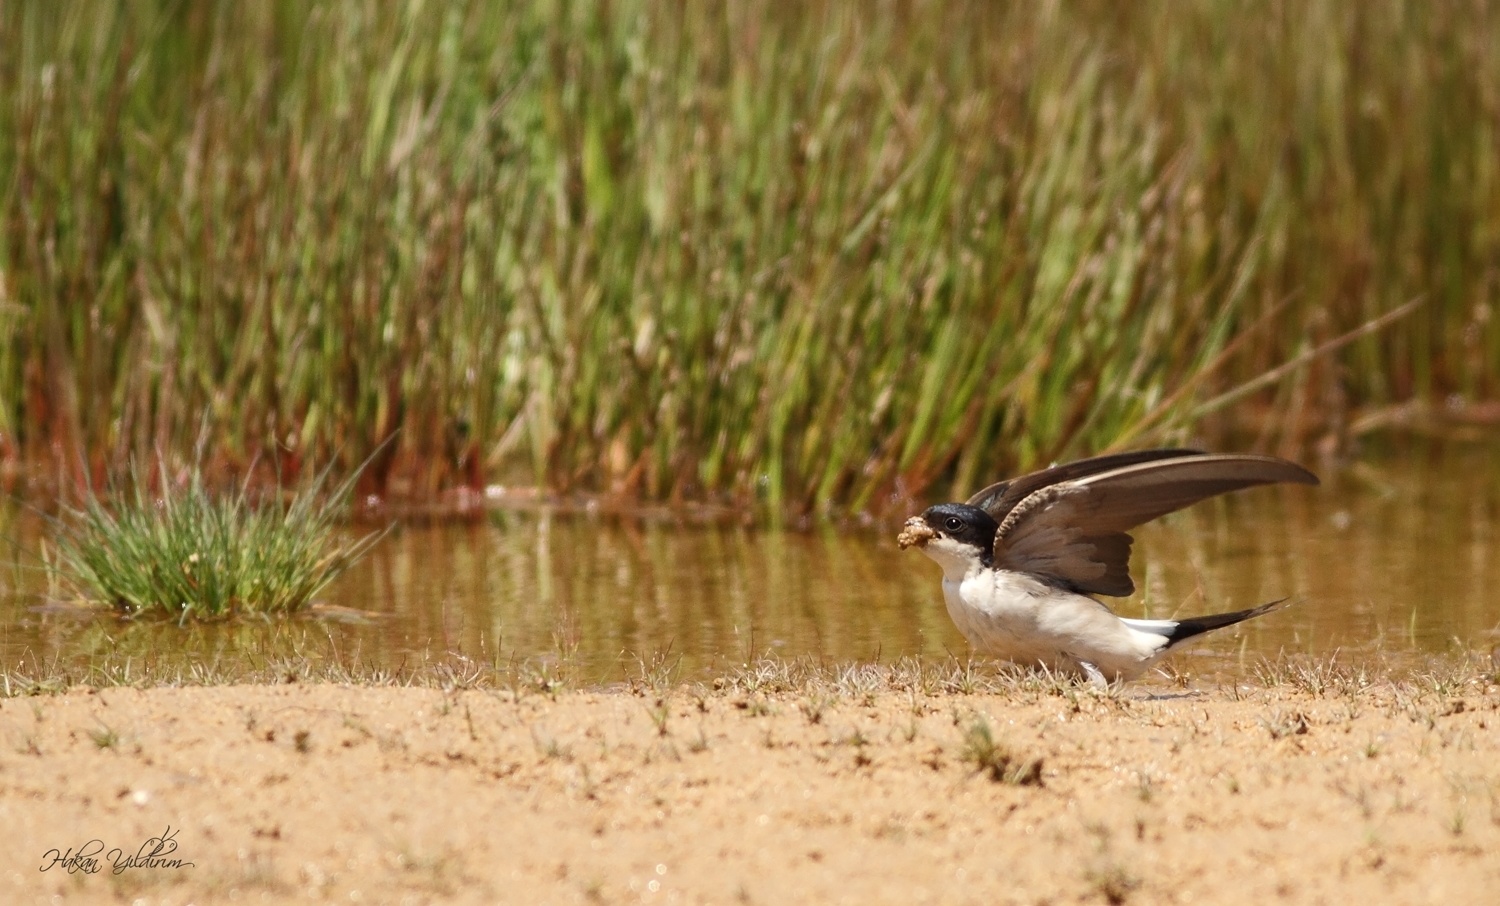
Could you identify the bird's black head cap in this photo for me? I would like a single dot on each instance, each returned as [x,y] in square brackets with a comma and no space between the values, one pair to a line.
[966,525]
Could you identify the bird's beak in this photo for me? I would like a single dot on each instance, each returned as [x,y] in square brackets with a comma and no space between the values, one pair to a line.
[916,532]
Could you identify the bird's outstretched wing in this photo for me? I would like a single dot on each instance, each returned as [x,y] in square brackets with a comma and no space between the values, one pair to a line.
[1071,524]
[1001,497]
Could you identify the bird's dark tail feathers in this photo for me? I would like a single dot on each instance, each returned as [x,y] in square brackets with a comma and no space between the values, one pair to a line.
[1186,629]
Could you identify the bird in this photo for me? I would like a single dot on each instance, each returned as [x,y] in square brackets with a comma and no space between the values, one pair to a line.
[1024,558]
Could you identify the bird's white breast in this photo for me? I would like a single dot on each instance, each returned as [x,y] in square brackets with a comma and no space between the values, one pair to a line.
[1019,618]
[1000,612]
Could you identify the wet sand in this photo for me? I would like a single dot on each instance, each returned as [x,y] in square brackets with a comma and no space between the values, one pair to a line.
[858,787]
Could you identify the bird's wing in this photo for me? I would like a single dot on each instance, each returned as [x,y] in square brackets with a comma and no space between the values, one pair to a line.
[1075,531]
[1001,497]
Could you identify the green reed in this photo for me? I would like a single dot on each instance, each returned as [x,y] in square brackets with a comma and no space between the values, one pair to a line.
[188,552]
[809,255]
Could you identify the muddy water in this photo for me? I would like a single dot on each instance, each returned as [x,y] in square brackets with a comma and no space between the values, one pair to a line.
[1396,556]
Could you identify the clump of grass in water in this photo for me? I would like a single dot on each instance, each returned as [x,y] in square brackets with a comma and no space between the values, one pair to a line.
[191,553]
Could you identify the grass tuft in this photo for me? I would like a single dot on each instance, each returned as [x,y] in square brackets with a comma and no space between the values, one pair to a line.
[104,737]
[989,756]
[189,553]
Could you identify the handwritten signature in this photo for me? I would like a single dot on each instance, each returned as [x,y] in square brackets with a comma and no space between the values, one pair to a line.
[156,852]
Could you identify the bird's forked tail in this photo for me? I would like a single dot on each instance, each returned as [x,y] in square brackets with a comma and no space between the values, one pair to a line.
[1177,631]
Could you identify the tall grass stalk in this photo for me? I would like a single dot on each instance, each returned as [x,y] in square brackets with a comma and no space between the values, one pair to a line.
[807,254]
[191,553]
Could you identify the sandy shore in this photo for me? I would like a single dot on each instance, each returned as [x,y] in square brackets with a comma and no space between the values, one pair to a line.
[859,788]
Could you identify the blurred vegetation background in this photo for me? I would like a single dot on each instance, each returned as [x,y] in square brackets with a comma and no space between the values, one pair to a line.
[803,256]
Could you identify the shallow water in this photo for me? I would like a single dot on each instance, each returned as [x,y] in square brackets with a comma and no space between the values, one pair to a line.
[1393,557]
